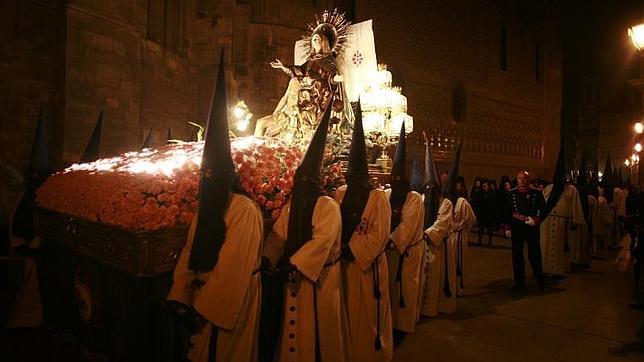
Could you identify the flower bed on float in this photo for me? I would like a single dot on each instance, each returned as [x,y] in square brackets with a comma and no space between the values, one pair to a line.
[158,188]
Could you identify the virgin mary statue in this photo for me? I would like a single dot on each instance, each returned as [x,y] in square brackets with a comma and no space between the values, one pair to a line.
[313,85]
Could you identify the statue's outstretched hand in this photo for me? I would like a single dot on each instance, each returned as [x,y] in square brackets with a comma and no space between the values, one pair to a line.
[338,78]
[277,64]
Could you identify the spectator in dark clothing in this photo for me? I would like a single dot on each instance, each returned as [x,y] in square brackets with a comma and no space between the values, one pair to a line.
[461,189]
[475,198]
[476,188]
[488,208]
[502,195]
[635,225]
[495,190]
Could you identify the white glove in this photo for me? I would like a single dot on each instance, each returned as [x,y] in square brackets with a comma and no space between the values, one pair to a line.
[508,233]
[530,221]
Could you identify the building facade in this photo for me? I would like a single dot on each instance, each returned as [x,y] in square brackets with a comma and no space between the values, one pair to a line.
[486,73]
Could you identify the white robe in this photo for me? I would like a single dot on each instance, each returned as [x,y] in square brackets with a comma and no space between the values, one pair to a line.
[585,248]
[464,219]
[368,244]
[618,207]
[620,201]
[556,230]
[407,240]
[318,266]
[433,297]
[230,297]
[602,227]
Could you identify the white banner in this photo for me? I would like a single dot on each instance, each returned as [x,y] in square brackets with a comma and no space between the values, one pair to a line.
[358,61]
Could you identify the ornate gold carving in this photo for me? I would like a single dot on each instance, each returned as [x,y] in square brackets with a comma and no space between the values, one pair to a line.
[141,254]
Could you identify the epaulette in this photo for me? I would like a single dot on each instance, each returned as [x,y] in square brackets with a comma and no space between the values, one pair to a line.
[513,189]
[534,188]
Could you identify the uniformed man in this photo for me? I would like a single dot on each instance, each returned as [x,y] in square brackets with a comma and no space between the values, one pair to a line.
[525,207]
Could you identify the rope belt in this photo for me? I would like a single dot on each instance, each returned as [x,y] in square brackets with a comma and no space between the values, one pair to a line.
[399,272]
[446,288]
[331,263]
[560,216]
[459,259]
[401,299]
[375,270]
[566,242]
[198,283]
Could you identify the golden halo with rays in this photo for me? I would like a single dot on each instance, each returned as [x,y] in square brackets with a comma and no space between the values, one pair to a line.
[333,25]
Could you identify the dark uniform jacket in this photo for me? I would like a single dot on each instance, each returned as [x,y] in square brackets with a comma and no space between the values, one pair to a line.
[526,202]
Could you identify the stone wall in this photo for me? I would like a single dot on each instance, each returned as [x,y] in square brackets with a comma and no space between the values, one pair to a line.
[151,64]
[122,58]
[31,38]
[509,117]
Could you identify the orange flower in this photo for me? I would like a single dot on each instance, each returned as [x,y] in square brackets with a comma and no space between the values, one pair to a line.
[152,190]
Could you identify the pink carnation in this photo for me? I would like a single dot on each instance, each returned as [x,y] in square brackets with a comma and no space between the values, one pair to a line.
[125,192]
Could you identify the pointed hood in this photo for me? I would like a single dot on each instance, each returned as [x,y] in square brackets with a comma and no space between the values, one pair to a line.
[40,162]
[449,189]
[306,190]
[594,183]
[615,176]
[358,187]
[558,181]
[416,181]
[311,164]
[400,157]
[608,180]
[432,185]
[92,150]
[148,140]
[357,167]
[583,186]
[431,172]
[399,180]
[560,167]
[22,225]
[216,180]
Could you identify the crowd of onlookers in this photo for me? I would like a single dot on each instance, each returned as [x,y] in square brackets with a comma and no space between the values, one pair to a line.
[489,202]
[488,199]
